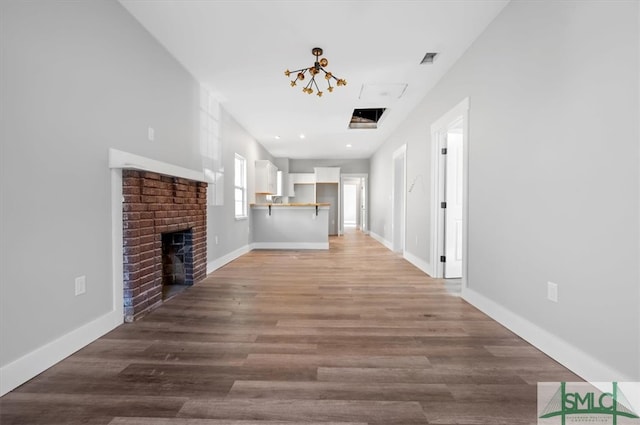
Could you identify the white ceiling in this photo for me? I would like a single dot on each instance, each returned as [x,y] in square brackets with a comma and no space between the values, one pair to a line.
[240,49]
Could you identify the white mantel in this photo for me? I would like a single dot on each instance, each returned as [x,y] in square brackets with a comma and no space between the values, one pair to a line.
[129,161]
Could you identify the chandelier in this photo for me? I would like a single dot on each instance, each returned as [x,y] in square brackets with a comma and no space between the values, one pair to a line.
[314,70]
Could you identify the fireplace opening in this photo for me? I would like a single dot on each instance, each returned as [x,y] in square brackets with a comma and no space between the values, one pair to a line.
[177,262]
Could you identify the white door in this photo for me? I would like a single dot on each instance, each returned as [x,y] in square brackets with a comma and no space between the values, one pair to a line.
[363,205]
[454,200]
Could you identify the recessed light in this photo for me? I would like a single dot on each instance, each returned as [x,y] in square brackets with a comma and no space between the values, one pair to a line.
[276,137]
[349,145]
[301,136]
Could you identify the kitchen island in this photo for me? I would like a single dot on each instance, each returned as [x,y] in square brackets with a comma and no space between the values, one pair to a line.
[290,226]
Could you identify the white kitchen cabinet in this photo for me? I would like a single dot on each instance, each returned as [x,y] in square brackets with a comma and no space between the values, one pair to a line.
[327,174]
[302,184]
[303,178]
[266,177]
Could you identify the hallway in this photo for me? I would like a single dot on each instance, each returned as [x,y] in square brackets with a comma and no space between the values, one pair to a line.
[353,335]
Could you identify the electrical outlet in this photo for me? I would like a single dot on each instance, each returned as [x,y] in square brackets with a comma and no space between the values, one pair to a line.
[81,285]
[216,239]
[552,291]
[151,134]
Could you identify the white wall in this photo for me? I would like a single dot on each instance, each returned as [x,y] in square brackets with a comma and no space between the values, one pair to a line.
[79,78]
[553,177]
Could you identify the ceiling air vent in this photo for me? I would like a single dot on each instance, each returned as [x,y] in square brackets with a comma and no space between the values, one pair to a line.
[366,118]
[428,58]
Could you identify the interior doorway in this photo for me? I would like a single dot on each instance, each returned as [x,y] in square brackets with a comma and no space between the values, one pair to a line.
[399,198]
[449,200]
[453,198]
[354,211]
[350,191]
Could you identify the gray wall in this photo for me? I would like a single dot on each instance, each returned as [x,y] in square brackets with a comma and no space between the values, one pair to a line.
[354,166]
[232,234]
[79,78]
[282,164]
[553,171]
[329,193]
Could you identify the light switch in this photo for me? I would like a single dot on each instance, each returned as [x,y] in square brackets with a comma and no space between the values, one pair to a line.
[552,291]
[81,285]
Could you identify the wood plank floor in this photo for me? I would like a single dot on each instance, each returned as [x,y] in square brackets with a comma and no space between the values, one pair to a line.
[352,336]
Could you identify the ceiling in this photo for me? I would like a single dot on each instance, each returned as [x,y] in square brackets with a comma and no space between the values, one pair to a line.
[240,50]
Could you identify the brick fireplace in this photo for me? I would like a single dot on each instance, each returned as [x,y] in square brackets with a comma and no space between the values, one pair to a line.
[153,205]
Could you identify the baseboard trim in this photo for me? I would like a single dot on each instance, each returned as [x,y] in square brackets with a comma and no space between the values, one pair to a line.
[571,357]
[227,258]
[419,263]
[382,240]
[26,367]
[290,245]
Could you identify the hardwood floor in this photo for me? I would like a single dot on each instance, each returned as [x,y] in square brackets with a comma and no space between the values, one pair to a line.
[352,336]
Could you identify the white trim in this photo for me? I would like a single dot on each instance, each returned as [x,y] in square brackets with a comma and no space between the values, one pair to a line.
[638,177]
[116,242]
[437,128]
[569,356]
[437,220]
[465,193]
[126,160]
[387,244]
[225,259]
[424,266]
[26,367]
[244,187]
[400,152]
[290,245]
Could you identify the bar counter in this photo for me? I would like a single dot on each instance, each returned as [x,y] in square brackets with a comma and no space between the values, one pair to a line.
[290,226]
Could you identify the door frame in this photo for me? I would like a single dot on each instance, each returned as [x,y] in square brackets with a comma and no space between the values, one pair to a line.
[401,151]
[439,130]
[365,182]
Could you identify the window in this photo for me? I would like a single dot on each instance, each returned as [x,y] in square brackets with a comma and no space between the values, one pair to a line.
[240,167]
